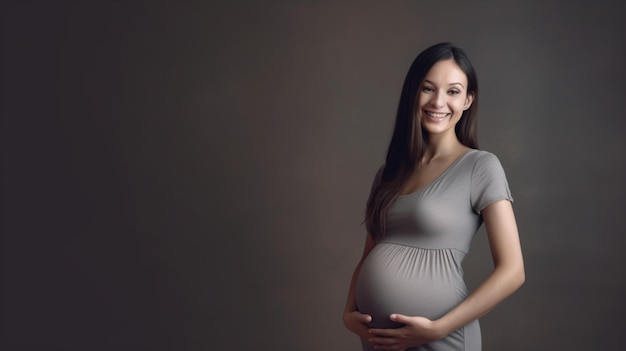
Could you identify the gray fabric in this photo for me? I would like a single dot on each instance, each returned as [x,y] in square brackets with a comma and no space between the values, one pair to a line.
[416,268]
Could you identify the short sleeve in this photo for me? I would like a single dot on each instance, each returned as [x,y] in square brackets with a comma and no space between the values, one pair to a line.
[376,182]
[489,182]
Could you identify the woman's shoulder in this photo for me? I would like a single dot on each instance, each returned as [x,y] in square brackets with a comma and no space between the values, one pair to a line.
[482,156]
[482,161]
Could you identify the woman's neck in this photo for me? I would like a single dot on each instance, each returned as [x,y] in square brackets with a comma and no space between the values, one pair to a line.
[440,146]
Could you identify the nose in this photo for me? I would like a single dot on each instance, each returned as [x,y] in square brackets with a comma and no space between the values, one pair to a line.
[438,99]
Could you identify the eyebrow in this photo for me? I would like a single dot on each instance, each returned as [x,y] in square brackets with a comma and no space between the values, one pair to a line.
[457,83]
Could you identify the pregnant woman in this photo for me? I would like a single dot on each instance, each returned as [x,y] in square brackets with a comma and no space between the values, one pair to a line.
[426,203]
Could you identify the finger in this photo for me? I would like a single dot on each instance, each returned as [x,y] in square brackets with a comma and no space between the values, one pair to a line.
[377,341]
[400,318]
[360,317]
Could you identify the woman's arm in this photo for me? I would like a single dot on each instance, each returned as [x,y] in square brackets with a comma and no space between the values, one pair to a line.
[507,276]
[352,318]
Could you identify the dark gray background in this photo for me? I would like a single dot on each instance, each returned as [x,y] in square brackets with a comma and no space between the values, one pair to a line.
[193,176]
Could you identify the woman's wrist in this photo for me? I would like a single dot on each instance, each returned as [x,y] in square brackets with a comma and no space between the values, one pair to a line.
[441,328]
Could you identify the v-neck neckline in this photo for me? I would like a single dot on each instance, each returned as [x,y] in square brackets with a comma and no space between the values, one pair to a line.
[441,175]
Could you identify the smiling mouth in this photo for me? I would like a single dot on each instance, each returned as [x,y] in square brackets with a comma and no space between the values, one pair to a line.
[437,114]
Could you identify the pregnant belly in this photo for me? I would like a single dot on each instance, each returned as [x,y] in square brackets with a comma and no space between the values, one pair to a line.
[412,281]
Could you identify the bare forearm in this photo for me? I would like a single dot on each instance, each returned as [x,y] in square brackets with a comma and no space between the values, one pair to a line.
[351,302]
[507,276]
[352,318]
[419,330]
[498,286]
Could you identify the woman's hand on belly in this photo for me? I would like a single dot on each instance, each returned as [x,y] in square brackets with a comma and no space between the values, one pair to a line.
[357,323]
[416,331]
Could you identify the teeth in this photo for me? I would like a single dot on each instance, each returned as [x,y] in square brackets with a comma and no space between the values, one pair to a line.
[436,115]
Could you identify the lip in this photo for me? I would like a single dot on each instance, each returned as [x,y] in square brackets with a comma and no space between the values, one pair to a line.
[436,116]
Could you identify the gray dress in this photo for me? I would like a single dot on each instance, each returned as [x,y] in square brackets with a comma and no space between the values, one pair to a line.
[415,269]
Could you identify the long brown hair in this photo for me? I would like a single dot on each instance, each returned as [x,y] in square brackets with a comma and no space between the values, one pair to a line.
[408,141]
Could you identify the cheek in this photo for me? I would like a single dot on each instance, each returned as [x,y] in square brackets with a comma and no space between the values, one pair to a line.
[421,100]
[459,105]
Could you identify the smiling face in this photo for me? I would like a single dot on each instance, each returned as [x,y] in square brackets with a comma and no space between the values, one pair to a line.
[443,97]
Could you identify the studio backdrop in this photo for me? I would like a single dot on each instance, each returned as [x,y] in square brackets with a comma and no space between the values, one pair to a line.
[193,176]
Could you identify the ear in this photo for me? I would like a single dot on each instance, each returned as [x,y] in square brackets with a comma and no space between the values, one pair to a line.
[468,101]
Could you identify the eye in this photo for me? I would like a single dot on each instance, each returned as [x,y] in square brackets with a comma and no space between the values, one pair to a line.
[454,92]
[427,89]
